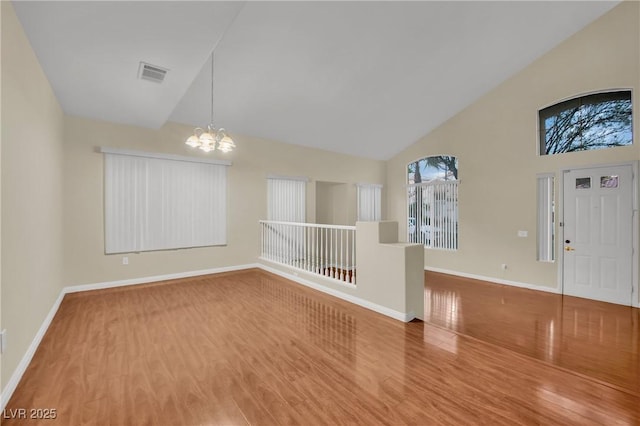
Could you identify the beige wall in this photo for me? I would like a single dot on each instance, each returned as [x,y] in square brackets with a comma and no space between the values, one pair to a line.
[31,193]
[324,212]
[495,140]
[343,203]
[335,203]
[399,285]
[254,159]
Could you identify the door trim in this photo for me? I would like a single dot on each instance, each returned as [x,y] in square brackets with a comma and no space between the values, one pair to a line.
[635,301]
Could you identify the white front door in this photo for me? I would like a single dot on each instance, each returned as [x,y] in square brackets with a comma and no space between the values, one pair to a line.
[597,240]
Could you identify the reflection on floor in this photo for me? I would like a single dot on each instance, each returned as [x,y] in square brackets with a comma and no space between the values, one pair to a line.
[595,339]
[249,347]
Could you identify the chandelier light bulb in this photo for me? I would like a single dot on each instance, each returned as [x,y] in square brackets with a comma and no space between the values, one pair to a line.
[193,141]
[225,143]
[207,138]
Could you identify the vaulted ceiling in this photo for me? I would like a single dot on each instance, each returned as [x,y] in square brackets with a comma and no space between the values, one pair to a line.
[362,78]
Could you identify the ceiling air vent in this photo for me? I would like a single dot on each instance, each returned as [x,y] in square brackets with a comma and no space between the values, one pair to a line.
[152,72]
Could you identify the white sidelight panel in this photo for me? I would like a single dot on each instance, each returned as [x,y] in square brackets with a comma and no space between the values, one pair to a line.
[546,223]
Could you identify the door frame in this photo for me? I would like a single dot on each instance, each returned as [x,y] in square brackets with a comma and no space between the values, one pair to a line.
[635,226]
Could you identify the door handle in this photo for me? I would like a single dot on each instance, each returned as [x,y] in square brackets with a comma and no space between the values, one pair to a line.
[567,248]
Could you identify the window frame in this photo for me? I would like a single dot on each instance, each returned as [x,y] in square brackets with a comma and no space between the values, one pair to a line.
[287,198]
[557,107]
[451,241]
[368,202]
[148,214]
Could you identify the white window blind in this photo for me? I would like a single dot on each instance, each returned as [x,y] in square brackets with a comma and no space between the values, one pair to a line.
[433,214]
[369,202]
[162,202]
[286,199]
[545,218]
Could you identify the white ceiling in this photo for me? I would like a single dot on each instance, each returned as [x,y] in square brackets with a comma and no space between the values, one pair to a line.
[362,78]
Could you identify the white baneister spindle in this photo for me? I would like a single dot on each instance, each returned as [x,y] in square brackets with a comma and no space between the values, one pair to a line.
[341,276]
[285,244]
[353,256]
[333,253]
[321,253]
[339,253]
[278,243]
[327,253]
[267,236]
[326,250]
[298,247]
[327,269]
[289,244]
[305,259]
[314,248]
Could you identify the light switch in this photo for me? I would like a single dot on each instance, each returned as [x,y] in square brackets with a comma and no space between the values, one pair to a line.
[523,234]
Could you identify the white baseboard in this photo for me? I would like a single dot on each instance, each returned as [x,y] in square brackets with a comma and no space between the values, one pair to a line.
[400,316]
[146,280]
[494,280]
[28,356]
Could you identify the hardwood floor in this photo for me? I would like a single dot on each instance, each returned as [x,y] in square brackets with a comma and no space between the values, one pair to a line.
[252,348]
[596,339]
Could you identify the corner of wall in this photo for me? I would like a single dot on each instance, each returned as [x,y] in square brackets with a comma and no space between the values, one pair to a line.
[30,195]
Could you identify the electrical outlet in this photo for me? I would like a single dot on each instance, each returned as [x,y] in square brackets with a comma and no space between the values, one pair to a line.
[503,266]
[125,260]
[3,341]
[523,234]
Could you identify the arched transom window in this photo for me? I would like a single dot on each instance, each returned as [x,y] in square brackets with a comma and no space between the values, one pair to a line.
[595,121]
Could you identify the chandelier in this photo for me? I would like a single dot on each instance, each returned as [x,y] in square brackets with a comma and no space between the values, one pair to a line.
[207,139]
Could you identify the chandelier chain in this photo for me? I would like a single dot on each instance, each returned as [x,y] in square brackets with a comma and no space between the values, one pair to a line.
[211,139]
[212,63]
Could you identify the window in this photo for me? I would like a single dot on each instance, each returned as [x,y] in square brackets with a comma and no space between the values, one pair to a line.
[546,218]
[160,202]
[286,202]
[597,121]
[432,202]
[369,202]
[286,199]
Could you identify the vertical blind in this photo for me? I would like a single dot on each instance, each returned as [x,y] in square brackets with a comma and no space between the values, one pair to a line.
[545,218]
[158,203]
[286,199]
[369,202]
[433,214]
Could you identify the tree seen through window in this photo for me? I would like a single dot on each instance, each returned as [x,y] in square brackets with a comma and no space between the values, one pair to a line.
[437,167]
[597,121]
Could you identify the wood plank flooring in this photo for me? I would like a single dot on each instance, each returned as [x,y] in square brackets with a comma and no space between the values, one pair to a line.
[596,339]
[252,348]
